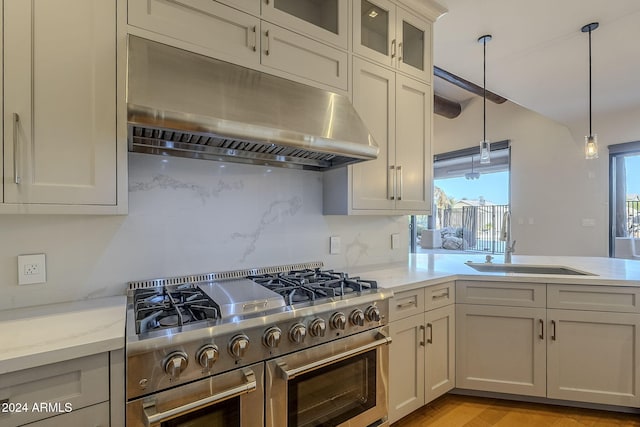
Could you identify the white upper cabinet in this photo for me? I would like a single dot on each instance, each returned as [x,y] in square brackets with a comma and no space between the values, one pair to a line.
[392,36]
[324,20]
[213,29]
[59,122]
[203,26]
[397,111]
[303,57]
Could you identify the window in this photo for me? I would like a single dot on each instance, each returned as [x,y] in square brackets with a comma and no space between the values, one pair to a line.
[624,195]
[470,200]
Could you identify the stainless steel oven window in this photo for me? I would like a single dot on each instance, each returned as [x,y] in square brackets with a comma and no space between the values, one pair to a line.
[333,394]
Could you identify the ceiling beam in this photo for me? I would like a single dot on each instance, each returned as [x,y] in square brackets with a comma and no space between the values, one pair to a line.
[445,107]
[466,85]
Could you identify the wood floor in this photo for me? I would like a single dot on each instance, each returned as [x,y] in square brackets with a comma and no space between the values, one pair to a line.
[458,411]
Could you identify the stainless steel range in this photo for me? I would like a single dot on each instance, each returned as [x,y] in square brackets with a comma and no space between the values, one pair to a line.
[290,346]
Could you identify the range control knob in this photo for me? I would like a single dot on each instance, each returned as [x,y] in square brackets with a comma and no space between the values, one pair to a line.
[338,320]
[357,317]
[238,346]
[372,313]
[271,337]
[317,327]
[297,333]
[207,356]
[175,363]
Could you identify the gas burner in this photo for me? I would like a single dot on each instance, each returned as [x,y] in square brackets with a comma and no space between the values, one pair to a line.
[171,306]
[307,285]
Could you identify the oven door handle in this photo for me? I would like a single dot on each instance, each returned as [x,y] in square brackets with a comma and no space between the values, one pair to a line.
[288,374]
[153,418]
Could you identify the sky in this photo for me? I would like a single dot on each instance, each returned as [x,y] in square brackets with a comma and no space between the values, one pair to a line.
[494,187]
[632,168]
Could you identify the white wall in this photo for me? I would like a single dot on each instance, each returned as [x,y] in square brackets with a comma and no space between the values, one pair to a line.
[189,216]
[553,188]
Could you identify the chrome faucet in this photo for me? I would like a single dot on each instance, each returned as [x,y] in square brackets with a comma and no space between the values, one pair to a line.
[505,236]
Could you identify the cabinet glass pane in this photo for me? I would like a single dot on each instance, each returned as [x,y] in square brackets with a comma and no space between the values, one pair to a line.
[412,46]
[374,27]
[323,13]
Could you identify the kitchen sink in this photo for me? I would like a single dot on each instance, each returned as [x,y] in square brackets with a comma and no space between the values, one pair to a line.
[487,267]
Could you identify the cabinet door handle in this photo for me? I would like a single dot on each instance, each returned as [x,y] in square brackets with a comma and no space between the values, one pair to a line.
[266,1]
[406,304]
[422,330]
[16,123]
[553,330]
[541,329]
[399,172]
[445,294]
[254,38]
[391,184]
[267,42]
[393,48]
[400,52]
[430,339]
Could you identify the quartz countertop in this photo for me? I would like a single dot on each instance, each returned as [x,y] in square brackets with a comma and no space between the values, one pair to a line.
[431,269]
[40,335]
[36,336]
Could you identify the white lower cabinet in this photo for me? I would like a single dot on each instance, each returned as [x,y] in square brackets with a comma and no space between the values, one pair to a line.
[91,416]
[422,353]
[593,357]
[440,362]
[589,353]
[74,392]
[406,366]
[501,349]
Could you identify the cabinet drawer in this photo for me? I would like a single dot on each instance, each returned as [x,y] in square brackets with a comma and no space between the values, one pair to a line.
[501,293]
[405,304]
[439,295]
[92,416]
[78,383]
[597,298]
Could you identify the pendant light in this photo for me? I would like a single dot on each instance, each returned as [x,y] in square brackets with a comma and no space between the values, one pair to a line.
[591,140]
[485,148]
[472,174]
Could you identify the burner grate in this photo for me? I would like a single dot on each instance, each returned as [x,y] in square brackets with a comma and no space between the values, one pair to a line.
[307,285]
[174,306]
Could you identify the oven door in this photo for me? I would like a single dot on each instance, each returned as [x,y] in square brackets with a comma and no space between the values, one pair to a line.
[231,399]
[340,383]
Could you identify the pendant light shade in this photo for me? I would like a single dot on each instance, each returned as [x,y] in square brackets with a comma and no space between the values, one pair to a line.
[485,146]
[591,140]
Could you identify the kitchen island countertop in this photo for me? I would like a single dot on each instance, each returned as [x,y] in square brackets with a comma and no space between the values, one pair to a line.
[36,336]
[431,269]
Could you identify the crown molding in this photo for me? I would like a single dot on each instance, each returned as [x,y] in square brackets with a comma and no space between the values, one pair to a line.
[427,8]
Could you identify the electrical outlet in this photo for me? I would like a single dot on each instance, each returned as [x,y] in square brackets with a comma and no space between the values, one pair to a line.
[31,269]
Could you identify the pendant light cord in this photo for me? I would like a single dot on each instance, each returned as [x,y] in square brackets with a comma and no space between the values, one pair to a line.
[484,90]
[590,131]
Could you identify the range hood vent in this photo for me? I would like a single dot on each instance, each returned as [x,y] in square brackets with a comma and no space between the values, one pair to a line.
[183,104]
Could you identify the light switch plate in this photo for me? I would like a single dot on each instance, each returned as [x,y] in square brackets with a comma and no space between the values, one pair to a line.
[334,245]
[395,241]
[31,269]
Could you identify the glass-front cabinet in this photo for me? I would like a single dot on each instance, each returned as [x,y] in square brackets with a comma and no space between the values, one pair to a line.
[324,20]
[392,36]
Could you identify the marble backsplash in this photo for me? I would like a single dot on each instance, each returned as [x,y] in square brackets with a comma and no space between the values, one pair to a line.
[190,216]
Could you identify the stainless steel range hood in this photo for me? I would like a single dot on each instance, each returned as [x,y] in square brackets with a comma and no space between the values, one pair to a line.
[183,104]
